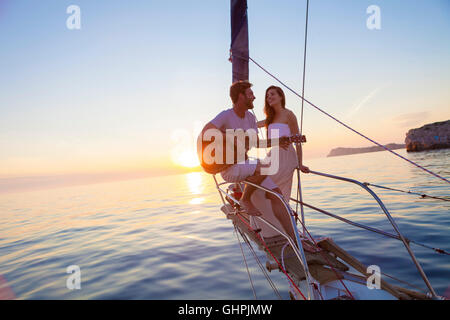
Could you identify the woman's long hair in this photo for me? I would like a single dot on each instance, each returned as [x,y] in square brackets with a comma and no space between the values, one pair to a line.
[268,110]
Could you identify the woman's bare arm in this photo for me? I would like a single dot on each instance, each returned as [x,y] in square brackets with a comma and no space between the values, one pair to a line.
[293,126]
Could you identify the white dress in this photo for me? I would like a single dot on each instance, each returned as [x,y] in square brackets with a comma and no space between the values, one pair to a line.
[287,159]
[282,177]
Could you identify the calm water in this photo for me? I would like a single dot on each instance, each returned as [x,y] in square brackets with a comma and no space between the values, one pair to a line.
[166,238]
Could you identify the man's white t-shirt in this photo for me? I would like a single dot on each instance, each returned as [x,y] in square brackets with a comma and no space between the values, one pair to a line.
[228,119]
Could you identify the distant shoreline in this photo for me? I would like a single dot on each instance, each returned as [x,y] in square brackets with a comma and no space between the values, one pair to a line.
[336,152]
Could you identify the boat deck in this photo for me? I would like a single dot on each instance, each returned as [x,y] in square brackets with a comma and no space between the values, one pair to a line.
[326,264]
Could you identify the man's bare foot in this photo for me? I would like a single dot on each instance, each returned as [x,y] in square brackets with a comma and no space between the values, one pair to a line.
[249,208]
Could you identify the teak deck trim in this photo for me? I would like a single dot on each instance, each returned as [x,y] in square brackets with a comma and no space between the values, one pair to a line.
[319,267]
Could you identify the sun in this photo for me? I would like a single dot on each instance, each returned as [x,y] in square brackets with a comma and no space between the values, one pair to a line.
[187,159]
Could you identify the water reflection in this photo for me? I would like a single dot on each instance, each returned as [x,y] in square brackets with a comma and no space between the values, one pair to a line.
[194,182]
[166,238]
[197,201]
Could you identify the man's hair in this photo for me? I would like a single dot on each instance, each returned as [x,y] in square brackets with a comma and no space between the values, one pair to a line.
[237,88]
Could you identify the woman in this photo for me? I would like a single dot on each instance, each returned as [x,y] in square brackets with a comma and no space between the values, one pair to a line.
[281,122]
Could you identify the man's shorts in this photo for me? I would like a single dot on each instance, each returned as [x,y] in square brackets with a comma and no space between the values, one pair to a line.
[241,171]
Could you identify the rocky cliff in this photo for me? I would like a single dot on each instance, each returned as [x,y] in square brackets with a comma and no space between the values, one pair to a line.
[430,136]
[344,151]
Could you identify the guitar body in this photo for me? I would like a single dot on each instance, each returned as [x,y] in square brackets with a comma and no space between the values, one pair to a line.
[212,154]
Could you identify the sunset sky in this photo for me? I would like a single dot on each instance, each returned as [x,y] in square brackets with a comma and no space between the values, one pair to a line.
[128,91]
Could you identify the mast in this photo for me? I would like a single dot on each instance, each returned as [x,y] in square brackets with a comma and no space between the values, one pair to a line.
[239,51]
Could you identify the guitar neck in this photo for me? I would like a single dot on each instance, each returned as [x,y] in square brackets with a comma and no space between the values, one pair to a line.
[276,141]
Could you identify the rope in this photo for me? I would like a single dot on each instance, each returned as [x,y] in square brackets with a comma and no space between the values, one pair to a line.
[282,262]
[300,199]
[299,188]
[313,283]
[328,261]
[345,125]
[282,268]
[423,195]
[246,266]
[440,251]
[294,214]
[270,252]
[260,265]
[404,282]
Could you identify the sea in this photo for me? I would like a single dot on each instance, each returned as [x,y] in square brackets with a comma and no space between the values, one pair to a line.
[166,237]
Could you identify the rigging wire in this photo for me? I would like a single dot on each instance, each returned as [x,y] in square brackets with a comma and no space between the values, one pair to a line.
[246,266]
[404,282]
[315,286]
[260,265]
[282,263]
[423,195]
[271,254]
[299,180]
[299,184]
[281,267]
[437,250]
[342,123]
[327,260]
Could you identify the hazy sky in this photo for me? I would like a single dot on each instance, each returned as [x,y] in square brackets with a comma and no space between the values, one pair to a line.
[111,96]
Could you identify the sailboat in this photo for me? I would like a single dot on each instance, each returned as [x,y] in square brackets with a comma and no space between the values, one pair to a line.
[316,268]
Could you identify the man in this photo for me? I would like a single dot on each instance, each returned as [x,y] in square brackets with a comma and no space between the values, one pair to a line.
[239,117]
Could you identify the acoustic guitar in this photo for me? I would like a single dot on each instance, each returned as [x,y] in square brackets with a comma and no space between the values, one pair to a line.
[217,156]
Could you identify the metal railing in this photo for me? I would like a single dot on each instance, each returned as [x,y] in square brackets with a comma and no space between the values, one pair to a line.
[399,235]
[298,250]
